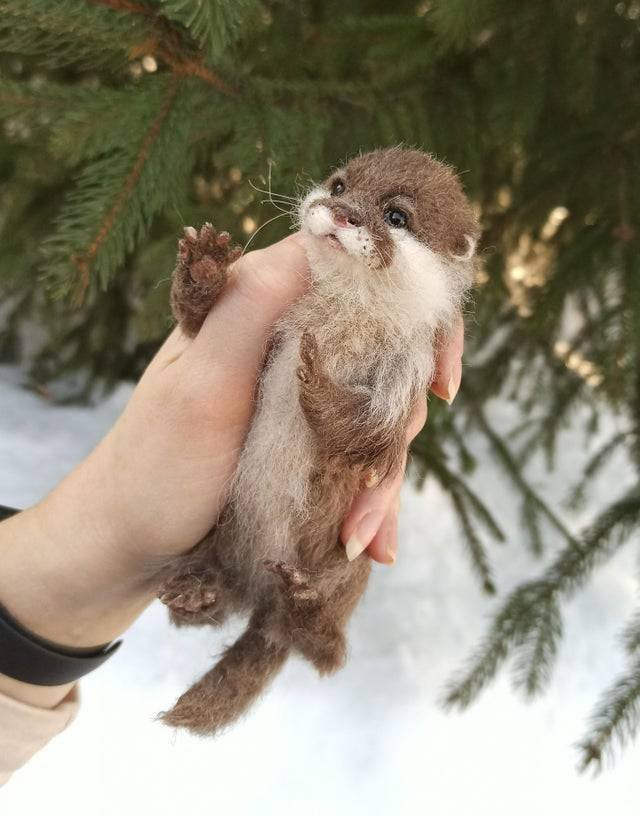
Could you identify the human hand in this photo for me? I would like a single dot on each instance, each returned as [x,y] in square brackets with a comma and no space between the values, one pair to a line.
[172,454]
[157,482]
[168,461]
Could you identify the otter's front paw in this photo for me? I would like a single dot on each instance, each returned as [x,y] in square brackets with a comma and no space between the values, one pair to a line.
[201,272]
[207,254]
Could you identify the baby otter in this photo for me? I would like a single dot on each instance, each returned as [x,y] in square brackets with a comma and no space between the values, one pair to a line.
[390,239]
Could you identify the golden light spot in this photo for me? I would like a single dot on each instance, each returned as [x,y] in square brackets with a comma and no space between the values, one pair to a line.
[248,224]
[574,360]
[149,64]
[556,217]
[504,197]
[586,369]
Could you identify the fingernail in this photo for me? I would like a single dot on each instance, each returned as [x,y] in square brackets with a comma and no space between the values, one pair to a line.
[452,389]
[363,535]
[391,556]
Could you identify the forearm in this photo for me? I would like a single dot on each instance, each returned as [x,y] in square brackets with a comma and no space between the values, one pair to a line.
[66,574]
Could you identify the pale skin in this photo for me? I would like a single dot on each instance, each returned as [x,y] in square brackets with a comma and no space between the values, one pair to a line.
[76,566]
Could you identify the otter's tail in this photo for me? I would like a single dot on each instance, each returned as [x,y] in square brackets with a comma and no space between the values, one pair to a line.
[236,681]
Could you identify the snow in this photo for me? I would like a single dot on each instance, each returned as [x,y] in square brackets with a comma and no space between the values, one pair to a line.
[372,739]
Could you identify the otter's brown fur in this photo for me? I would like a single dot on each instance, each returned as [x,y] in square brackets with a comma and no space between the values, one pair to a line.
[346,366]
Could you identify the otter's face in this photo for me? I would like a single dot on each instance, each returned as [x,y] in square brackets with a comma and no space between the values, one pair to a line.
[383,209]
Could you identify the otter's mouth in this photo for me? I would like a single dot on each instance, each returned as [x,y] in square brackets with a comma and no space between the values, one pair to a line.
[332,239]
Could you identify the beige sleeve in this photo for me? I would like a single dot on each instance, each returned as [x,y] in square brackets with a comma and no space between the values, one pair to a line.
[25,729]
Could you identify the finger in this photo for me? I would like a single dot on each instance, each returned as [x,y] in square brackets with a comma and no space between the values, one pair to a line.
[449,364]
[417,419]
[263,285]
[368,512]
[170,351]
[384,546]
[373,507]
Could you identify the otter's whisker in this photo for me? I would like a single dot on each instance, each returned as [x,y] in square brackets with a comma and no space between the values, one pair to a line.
[284,207]
[255,232]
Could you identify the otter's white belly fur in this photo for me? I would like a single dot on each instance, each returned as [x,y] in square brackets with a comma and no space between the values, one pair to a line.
[348,312]
[269,491]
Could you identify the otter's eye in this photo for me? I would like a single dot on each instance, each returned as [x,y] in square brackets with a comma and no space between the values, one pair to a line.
[396,218]
[337,187]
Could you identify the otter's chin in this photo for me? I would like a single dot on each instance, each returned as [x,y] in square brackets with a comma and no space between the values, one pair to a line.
[334,242]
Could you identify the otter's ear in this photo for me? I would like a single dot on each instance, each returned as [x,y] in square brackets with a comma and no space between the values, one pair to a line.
[466,248]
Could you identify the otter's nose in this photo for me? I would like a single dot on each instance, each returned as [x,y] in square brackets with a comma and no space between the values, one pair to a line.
[344,216]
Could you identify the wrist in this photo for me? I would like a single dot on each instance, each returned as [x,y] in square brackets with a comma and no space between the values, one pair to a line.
[67,574]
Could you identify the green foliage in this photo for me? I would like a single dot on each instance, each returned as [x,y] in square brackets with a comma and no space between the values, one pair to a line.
[122,120]
[65,32]
[529,626]
[116,196]
[214,24]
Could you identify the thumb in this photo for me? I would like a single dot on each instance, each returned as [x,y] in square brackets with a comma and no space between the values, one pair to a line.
[263,284]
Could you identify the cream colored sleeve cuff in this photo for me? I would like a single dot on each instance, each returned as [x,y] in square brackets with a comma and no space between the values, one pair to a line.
[25,729]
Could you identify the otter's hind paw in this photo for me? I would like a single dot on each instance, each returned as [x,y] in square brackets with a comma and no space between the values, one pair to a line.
[190,601]
[295,582]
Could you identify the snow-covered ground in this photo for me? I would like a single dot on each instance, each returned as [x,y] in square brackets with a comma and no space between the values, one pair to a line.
[371,740]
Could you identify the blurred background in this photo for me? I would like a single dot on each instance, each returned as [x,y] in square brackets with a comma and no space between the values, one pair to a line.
[122,121]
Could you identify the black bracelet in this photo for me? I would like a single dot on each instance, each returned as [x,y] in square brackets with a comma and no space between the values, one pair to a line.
[5,512]
[26,656]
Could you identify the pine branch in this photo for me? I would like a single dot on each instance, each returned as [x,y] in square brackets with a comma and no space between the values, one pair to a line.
[537,652]
[631,635]
[117,195]
[477,551]
[529,622]
[532,501]
[39,98]
[79,120]
[64,32]
[214,24]
[466,503]
[168,44]
[456,20]
[599,542]
[83,260]
[615,721]
[520,615]
[595,465]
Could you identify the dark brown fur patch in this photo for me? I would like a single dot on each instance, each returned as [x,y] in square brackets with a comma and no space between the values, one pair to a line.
[345,432]
[426,189]
[226,691]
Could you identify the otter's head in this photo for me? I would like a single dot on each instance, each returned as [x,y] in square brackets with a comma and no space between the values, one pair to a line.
[393,210]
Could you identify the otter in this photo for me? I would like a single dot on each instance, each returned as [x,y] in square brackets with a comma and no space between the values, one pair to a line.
[391,240]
